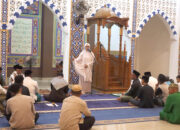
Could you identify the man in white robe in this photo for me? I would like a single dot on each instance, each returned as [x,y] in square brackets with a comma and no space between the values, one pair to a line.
[83,66]
[17,71]
[32,85]
[152,81]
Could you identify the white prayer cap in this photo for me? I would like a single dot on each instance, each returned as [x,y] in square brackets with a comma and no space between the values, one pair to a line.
[87,44]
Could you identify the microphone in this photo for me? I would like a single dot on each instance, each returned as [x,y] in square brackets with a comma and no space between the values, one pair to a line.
[89,50]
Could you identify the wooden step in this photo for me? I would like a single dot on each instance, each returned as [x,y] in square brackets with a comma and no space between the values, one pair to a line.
[114,78]
[116,83]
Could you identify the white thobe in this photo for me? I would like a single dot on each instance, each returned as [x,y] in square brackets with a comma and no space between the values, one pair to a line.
[12,77]
[152,82]
[85,74]
[32,85]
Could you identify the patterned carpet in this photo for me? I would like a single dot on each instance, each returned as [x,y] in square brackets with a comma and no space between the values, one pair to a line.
[104,107]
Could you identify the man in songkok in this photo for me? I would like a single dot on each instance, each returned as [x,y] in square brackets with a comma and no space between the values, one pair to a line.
[71,112]
[17,71]
[178,82]
[161,90]
[83,66]
[171,111]
[32,85]
[59,67]
[145,95]
[20,110]
[134,90]
[152,81]
[59,89]
[19,80]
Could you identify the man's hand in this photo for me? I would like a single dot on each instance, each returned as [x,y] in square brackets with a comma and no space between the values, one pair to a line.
[85,66]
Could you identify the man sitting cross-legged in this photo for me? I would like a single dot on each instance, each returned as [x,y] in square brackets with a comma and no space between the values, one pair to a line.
[32,85]
[71,113]
[59,89]
[171,111]
[134,89]
[18,80]
[20,109]
[145,96]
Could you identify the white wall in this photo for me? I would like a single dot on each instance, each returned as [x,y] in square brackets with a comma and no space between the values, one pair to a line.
[168,65]
[152,52]
[174,49]
[115,39]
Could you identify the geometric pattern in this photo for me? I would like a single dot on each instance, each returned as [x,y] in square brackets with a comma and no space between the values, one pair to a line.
[160,13]
[57,44]
[139,12]
[77,41]
[122,8]
[33,9]
[146,9]
[16,7]
[10,10]
[36,36]
[34,13]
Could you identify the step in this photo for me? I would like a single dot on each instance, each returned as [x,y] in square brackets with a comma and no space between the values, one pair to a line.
[116,83]
[114,78]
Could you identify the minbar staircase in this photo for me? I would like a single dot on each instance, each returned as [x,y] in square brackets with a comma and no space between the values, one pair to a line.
[111,74]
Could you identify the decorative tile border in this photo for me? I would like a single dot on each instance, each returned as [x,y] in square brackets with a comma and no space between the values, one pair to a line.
[161,14]
[57,44]
[4,37]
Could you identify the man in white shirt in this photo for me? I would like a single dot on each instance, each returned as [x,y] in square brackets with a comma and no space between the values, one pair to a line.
[32,85]
[162,90]
[178,81]
[17,71]
[71,112]
[152,81]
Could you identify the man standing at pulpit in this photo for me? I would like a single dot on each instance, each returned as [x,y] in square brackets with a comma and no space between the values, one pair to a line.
[83,66]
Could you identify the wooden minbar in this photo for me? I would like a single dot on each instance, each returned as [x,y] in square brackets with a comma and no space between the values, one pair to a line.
[110,73]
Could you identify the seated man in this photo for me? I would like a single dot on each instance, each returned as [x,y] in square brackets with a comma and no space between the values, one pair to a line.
[32,85]
[161,91]
[2,99]
[171,109]
[59,67]
[71,113]
[152,81]
[145,96]
[135,87]
[19,80]
[59,89]
[20,109]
